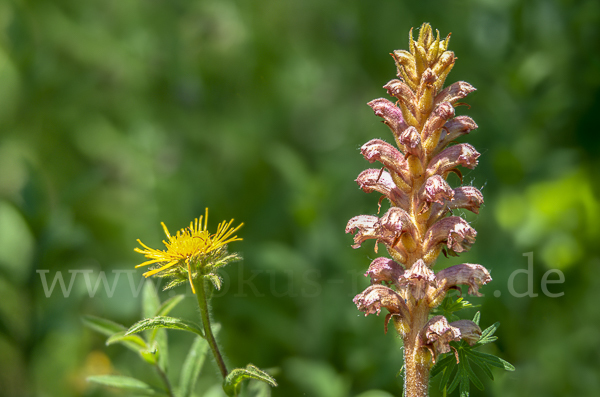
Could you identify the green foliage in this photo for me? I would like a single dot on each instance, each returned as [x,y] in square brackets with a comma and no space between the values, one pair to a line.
[125,383]
[458,363]
[232,384]
[122,337]
[153,350]
[191,366]
[165,322]
[168,305]
[102,325]
[450,305]
[112,329]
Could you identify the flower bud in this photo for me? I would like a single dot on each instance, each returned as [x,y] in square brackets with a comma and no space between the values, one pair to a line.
[389,156]
[392,116]
[411,140]
[464,274]
[450,158]
[454,128]
[381,181]
[384,269]
[438,334]
[454,92]
[419,278]
[454,231]
[372,299]
[436,120]
[469,331]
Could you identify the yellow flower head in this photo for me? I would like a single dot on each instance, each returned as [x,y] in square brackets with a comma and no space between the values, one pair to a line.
[188,247]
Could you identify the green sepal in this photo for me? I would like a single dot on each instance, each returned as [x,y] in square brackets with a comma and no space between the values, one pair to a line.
[132,385]
[215,280]
[192,366]
[165,322]
[231,384]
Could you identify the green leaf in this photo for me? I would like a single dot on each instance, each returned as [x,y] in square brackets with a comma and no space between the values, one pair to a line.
[454,382]
[231,384]
[447,373]
[134,342]
[168,305]
[487,334]
[151,306]
[111,329]
[441,363]
[191,366]
[452,304]
[150,300]
[165,322]
[477,317]
[474,379]
[159,335]
[102,325]
[126,383]
[464,386]
[493,360]
[484,366]
[463,371]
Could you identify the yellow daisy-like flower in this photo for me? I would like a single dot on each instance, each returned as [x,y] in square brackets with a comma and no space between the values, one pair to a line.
[188,246]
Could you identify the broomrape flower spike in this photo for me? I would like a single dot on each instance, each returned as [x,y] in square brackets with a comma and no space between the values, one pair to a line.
[417,227]
[191,252]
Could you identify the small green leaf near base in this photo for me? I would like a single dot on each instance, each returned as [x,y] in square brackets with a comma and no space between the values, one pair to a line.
[231,384]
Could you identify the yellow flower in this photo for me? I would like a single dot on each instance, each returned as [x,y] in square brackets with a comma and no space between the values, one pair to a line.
[188,247]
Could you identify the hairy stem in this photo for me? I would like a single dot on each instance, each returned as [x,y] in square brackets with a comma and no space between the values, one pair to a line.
[416,360]
[200,287]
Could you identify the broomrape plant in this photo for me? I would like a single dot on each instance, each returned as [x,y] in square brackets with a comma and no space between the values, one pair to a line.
[418,226]
[192,255]
[420,223]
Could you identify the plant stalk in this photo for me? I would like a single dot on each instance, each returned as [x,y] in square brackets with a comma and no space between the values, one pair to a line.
[199,286]
[417,363]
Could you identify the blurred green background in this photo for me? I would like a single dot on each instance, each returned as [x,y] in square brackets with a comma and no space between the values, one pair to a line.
[116,115]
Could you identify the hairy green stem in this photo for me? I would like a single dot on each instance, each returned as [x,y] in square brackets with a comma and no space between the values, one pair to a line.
[199,286]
